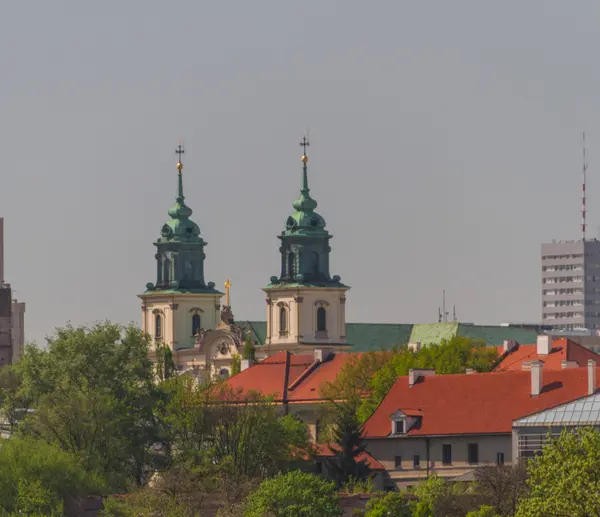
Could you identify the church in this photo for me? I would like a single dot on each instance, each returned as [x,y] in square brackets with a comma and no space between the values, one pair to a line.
[305,303]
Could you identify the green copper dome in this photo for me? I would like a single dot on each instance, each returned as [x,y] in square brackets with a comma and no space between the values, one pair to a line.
[305,244]
[304,220]
[180,228]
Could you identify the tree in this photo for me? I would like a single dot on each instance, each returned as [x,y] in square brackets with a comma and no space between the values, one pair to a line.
[391,504]
[439,498]
[165,365]
[347,447]
[93,393]
[483,511]
[565,478]
[502,486]
[249,351]
[236,364]
[38,478]
[295,494]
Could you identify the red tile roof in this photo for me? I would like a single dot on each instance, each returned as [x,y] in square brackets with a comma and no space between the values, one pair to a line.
[563,349]
[323,450]
[269,377]
[304,376]
[475,403]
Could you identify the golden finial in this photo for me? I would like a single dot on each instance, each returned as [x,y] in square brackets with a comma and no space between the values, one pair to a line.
[227,286]
[180,152]
[305,143]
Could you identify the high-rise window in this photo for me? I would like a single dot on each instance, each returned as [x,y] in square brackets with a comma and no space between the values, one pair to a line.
[157,326]
[195,324]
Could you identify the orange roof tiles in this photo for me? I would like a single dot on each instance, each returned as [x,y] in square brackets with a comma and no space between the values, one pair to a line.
[563,349]
[475,403]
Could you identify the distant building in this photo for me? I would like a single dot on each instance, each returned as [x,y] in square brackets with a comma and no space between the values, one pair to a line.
[17,329]
[5,325]
[571,284]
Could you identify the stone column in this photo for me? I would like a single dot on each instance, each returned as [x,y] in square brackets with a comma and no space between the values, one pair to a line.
[342,320]
[298,300]
[170,336]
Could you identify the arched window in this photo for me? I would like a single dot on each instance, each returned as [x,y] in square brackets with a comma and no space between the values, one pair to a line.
[282,320]
[290,268]
[321,319]
[195,324]
[224,373]
[157,326]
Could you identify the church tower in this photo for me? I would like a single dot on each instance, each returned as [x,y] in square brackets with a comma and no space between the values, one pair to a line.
[305,304]
[180,304]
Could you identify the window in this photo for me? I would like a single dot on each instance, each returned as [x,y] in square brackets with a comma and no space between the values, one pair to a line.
[282,320]
[500,458]
[290,267]
[321,319]
[398,462]
[473,453]
[417,461]
[224,373]
[195,324]
[446,454]
[157,326]
[398,426]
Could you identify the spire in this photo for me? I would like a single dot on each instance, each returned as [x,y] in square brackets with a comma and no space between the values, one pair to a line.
[180,151]
[304,203]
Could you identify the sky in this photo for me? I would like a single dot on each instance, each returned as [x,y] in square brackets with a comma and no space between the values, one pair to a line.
[445,147]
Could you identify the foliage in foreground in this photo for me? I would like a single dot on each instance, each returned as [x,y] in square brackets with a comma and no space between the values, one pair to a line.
[295,494]
[392,503]
[565,478]
[38,478]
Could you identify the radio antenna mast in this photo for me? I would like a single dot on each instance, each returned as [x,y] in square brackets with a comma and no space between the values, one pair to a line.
[583,194]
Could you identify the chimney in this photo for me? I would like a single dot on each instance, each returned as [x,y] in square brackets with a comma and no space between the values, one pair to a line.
[322,355]
[415,347]
[591,377]
[509,345]
[414,374]
[1,250]
[544,344]
[537,368]
[246,363]
[569,364]
[469,371]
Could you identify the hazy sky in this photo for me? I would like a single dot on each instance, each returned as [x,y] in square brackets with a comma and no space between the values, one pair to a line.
[446,146]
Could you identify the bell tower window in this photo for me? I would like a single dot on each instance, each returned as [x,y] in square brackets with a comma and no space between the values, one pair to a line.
[321,319]
[195,324]
[157,326]
[283,322]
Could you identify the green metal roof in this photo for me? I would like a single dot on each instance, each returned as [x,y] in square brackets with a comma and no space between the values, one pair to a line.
[494,335]
[432,333]
[363,337]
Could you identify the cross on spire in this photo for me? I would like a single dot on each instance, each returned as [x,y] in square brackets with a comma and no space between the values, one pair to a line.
[305,143]
[180,151]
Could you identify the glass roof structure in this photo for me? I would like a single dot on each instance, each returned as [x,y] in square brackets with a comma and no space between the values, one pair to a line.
[580,412]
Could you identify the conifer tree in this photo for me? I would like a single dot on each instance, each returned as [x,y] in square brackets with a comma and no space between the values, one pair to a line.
[249,351]
[347,446]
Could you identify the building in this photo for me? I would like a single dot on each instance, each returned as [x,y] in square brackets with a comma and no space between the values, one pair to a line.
[363,337]
[306,305]
[556,354]
[451,424]
[17,329]
[6,346]
[571,284]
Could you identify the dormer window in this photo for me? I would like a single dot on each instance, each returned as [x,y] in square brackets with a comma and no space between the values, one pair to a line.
[404,420]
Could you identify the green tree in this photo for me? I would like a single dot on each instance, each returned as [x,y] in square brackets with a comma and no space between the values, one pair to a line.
[164,364]
[388,505]
[249,351]
[295,494]
[483,511]
[439,498]
[93,393]
[347,447]
[565,478]
[236,364]
[38,478]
